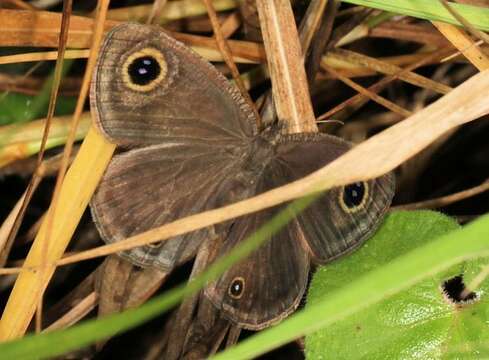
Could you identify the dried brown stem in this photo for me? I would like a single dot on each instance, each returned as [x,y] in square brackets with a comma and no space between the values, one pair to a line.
[36,177]
[286,67]
[359,99]
[156,10]
[226,54]
[371,95]
[379,154]
[78,312]
[445,200]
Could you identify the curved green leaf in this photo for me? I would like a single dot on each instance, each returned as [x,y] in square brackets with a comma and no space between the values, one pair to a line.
[430,10]
[470,242]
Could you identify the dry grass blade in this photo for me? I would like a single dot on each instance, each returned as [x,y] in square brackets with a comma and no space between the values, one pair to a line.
[371,95]
[353,70]
[226,54]
[78,312]
[286,65]
[63,38]
[464,44]
[359,99]
[244,49]
[420,33]
[156,10]
[321,41]
[42,56]
[446,200]
[311,23]
[173,10]
[477,33]
[230,25]
[41,28]
[69,202]
[372,158]
[10,271]
[389,69]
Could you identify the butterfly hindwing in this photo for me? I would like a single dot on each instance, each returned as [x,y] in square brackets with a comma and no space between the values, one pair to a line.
[273,278]
[342,218]
[149,88]
[269,284]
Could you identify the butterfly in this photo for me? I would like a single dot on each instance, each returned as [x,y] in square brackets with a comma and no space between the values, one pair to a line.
[192,145]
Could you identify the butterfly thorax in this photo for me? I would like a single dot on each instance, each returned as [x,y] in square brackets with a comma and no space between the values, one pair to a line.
[253,159]
[260,152]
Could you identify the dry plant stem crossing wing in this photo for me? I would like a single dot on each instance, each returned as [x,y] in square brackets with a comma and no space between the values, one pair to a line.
[378,155]
[372,158]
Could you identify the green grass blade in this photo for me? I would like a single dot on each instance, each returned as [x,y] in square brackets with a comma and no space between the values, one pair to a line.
[466,243]
[430,10]
[59,342]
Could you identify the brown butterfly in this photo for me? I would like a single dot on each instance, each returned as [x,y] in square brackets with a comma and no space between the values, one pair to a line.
[193,146]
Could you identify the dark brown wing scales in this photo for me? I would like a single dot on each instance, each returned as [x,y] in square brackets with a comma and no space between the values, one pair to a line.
[268,285]
[342,218]
[196,134]
[150,88]
[148,187]
[192,127]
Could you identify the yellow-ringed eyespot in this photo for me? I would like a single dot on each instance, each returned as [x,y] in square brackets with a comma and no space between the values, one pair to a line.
[354,196]
[155,245]
[236,289]
[144,70]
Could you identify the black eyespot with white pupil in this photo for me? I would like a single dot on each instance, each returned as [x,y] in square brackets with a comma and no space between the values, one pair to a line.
[353,197]
[354,194]
[236,288]
[143,70]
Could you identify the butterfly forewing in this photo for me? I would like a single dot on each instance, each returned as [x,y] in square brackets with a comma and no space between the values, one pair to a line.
[149,88]
[148,187]
[192,127]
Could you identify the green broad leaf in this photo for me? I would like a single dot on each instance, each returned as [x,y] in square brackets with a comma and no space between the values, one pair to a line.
[18,108]
[372,287]
[417,323]
[430,10]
